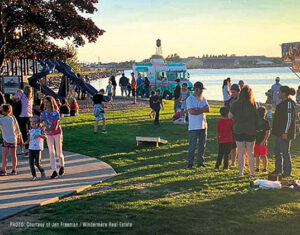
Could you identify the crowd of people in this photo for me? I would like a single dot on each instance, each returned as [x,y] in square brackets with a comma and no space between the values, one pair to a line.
[27,122]
[244,128]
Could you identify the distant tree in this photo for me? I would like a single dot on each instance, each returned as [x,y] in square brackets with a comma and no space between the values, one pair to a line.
[28,28]
[174,58]
[73,59]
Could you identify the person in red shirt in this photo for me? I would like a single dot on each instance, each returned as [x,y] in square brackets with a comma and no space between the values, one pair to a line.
[225,138]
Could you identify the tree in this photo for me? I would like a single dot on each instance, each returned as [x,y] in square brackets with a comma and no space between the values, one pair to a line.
[29,27]
[174,58]
[73,60]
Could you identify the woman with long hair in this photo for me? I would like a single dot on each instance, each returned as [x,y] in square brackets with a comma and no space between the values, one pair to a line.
[284,130]
[26,112]
[225,91]
[51,119]
[243,111]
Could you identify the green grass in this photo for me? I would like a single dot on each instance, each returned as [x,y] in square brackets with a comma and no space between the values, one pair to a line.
[155,192]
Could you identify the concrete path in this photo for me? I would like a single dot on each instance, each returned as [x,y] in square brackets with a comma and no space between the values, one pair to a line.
[18,193]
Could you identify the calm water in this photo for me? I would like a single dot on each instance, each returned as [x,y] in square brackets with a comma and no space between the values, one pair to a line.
[259,79]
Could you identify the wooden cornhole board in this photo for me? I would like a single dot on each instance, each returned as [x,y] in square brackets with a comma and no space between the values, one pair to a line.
[156,140]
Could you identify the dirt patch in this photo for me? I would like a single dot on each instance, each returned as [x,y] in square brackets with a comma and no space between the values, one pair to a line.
[119,103]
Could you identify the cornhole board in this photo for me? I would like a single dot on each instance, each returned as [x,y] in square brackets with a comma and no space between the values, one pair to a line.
[157,140]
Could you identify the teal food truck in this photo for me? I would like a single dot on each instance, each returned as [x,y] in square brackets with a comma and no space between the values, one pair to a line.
[162,75]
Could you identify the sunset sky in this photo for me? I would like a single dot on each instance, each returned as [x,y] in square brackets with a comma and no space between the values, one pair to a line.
[192,28]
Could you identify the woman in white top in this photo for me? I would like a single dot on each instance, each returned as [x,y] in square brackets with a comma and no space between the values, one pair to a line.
[10,134]
[27,104]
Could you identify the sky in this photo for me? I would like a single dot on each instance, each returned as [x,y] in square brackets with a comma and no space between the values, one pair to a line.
[192,28]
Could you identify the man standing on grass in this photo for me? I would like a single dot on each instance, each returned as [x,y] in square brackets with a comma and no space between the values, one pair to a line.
[123,84]
[197,106]
[275,89]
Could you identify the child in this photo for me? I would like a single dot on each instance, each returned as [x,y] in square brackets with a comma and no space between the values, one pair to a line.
[10,133]
[225,139]
[99,111]
[269,114]
[109,91]
[36,146]
[262,135]
[152,113]
[185,93]
[157,103]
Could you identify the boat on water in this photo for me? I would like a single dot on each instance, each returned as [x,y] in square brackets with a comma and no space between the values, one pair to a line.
[163,75]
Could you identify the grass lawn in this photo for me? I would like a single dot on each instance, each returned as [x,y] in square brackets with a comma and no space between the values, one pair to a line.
[157,194]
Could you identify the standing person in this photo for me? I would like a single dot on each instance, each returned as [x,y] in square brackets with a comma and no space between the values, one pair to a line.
[109,91]
[147,87]
[36,146]
[17,109]
[225,139]
[113,83]
[197,106]
[51,119]
[128,88]
[157,103]
[184,94]
[229,82]
[27,104]
[275,89]
[235,92]
[123,84]
[152,113]
[10,134]
[262,135]
[225,91]
[284,130]
[133,87]
[243,111]
[241,84]
[99,111]
[139,83]
[177,90]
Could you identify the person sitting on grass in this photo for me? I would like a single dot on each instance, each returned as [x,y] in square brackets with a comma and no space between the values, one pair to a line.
[157,103]
[36,146]
[225,138]
[99,111]
[152,113]
[10,134]
[65,108]
[262,135]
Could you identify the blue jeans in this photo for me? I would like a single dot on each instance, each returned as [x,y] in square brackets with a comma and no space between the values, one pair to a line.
[194,135]
[282,153]
[176,103]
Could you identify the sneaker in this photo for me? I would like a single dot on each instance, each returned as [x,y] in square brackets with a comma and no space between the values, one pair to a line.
[26,155]
[33,178]
[61,171]
[201,165]
[104,132]
[13,172]
[3,173]
[257,170]
[54,175]
[20,153]
[264,171]
[43,175]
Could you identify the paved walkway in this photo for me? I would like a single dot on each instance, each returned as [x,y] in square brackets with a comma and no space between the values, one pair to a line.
[18,193]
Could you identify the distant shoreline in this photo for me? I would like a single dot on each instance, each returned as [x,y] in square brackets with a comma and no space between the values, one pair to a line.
[242,67]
